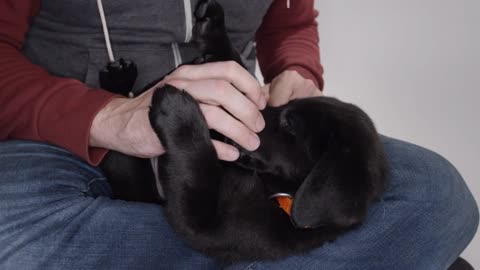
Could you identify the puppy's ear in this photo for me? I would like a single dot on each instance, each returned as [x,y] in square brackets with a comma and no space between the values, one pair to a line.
[331,195]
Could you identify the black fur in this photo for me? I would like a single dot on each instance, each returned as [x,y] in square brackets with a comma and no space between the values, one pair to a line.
[325,152]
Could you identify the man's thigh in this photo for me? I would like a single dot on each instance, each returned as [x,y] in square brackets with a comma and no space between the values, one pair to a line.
[52,217]
[56,213]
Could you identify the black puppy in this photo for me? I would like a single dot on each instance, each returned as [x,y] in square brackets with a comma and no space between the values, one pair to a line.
[324,153]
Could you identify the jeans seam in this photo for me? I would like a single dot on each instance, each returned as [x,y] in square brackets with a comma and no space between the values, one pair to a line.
[92,181]
[250,266]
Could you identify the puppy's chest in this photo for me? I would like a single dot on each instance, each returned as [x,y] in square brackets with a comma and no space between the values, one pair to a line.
[240,187]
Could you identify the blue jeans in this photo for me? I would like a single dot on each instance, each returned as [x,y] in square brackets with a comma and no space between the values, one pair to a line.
[56,212]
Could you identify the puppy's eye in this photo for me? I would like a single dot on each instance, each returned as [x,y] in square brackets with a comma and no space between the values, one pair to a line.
[288,125]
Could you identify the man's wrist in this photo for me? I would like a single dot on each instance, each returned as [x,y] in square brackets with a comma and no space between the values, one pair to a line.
[102,128]
[307,74]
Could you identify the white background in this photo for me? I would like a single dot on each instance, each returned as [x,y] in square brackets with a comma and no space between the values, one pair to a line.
[414,66]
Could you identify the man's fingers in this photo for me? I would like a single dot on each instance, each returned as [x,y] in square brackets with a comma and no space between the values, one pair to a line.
[290,85]
[230,127]
[266,91]
[229,71]
[221,93]
[225,151]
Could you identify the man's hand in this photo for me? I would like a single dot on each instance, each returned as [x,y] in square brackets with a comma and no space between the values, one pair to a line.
[123,125]
[289,85]
[229,97]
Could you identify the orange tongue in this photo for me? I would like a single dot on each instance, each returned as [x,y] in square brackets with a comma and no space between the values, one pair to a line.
[285,202]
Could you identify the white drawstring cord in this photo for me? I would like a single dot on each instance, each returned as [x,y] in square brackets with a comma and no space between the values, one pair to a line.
[105,30]
[188,20]
[288,3]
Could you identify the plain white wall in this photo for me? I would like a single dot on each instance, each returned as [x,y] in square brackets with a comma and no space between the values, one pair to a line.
[414,66]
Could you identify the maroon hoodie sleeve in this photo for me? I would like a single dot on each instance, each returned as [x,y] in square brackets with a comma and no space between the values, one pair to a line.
[288,40]
[35,105]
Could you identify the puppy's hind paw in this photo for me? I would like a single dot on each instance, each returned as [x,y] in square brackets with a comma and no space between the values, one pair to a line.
[209,9]
[209,31]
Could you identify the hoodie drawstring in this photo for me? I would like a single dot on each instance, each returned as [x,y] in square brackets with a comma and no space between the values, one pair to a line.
[105,31]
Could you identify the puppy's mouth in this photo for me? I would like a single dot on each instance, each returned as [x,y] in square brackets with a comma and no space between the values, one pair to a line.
[249,162]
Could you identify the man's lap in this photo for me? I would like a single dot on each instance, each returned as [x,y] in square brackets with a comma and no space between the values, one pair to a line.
[55,213]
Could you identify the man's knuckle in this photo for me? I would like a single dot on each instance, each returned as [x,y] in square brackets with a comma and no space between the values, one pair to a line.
[177,83]
[231,68]
[182,70]
[232,64]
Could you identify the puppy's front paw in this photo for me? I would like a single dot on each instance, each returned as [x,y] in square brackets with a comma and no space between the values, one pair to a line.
[119,76]
[177,119]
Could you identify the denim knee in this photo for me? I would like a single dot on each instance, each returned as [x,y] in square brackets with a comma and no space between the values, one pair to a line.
[451,204]
[427,178]
[421,174]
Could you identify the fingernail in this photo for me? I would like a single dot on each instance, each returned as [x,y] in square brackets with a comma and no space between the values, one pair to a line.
[260,124]
[254,142]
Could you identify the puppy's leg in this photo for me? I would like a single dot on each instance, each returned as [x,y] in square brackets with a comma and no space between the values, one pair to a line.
[190,170]
[210,34]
